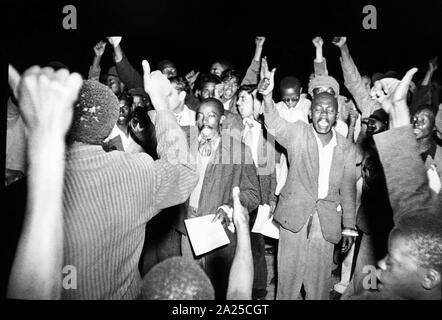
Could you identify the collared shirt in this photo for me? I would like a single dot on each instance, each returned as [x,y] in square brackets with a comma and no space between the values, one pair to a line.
[325,161]
[298,113]
[255,132]
[186,117]
[129,144]
[201,165]
[431,152]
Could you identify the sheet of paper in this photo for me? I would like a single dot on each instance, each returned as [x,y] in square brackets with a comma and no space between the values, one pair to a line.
[205,235]
[264,224]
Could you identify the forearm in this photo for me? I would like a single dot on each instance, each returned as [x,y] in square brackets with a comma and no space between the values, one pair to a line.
[276,125]
[252,73]
[95,69]
[427,78]
[118,54]
[241,272]
[351,132]
[127,73]
[319,57]
[36,273]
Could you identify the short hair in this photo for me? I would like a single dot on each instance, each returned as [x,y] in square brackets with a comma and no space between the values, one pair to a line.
[127,97]
[230,74]
[95,114]
[423,231]
[177,279]
[215,102]
[207,78]
[325,95]
[57,65]
[166,62]
[289,82]
[249,88]
[180,83]
[420,107]
[226,63]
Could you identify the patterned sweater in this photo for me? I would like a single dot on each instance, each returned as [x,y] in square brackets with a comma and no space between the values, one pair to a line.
[108,198]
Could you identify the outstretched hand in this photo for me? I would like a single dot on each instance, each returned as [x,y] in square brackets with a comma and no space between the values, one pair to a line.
[392,95]
[157,86]
[267,82]
[46,98]
[240,214]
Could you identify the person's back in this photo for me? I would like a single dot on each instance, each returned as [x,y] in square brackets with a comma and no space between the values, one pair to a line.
[109,197]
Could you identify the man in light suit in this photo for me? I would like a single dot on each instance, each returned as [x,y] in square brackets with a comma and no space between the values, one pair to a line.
[318,197]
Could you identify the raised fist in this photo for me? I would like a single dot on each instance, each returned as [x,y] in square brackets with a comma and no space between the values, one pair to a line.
[339,41]
[318,42]
[114,41]
[259,41]
[99,48]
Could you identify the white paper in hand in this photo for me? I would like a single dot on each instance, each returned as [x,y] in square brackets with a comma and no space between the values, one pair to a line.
[205,235]
[264,224]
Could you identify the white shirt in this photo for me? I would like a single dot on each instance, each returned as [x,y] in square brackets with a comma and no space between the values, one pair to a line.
[255,131]
[186,117]
[129,144]
[201,166]
[325,161]
[298,113]
[227,104]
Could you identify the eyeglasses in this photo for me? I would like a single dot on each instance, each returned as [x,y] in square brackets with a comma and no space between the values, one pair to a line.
[292,99]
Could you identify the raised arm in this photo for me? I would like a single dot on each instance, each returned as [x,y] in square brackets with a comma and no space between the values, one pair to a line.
[424,91]
[252,73]
[353,80]
[281,129]
[127,73]
[95,69]
[46,99]
[319,64]
[175,172]
[404,170]
[241,271]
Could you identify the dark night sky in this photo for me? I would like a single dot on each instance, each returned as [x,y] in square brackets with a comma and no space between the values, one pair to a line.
[194,33]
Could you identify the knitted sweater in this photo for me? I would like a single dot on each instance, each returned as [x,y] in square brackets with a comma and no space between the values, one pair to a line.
[108,198]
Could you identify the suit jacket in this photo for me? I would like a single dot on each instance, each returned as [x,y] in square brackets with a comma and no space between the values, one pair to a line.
[231,165]
[405,173]
[299,197]
[268,156]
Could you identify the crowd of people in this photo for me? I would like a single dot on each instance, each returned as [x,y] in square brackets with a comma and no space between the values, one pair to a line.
[112,166]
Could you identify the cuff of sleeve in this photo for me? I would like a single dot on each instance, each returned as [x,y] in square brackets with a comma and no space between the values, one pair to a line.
[350,232]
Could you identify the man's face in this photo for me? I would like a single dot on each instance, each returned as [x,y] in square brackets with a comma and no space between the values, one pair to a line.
[366,83]
[230,88]
[138,101]
[324,112]
[124,117]
[169,70]
[217,69]
[291,96]
[114,84]
[208,120]
[208,90]
[423,124]
[399,271]
[245,104]
[176,99]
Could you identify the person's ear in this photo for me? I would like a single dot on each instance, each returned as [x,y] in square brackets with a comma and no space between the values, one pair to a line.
[182,95]
[197,93]
[432,279]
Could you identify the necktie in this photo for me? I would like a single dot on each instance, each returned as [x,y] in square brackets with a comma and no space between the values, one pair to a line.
[205,147]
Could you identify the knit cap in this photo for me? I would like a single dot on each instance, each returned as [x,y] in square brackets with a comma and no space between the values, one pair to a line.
[95,113]
[323,81]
